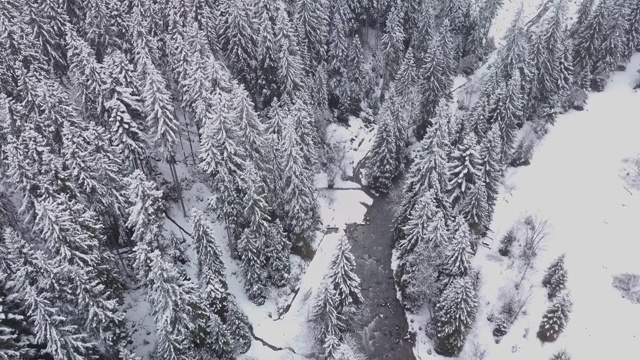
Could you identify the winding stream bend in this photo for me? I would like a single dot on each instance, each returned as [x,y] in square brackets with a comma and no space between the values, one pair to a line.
[385,336]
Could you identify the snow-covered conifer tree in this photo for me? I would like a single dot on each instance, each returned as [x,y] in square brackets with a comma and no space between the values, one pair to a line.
[455,313]
[328,319]
[343,278]
[210,266]
[555,278]
[457,252]
[290,65]
[298,194]
[277,250]
[463,169]
[393,38]
[386,158]
[555,319]
[239,38]
[313,21]
[429,168]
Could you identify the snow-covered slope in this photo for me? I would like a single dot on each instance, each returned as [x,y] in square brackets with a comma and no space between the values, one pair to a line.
[574,181]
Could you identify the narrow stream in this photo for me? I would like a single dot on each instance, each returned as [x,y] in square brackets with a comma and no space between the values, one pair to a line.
[385,335]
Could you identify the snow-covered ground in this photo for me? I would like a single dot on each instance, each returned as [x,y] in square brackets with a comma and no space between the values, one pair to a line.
[575,182]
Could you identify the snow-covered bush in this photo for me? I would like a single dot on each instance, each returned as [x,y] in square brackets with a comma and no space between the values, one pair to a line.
[507,242]
[629,286]
[524,150]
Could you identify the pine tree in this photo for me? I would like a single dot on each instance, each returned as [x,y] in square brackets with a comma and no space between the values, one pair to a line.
[513,55]
[387,153]
[425,32]
[457,253]
[429,168]
[298,193]
[46,23]
[555,319]
[463,169]
[491,167]
[455,313]
[211,269]
[508,112]
[328,319]
[583,13]
[555,278]
[342,276]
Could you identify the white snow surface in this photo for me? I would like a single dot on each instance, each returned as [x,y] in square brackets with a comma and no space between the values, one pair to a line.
[575,181]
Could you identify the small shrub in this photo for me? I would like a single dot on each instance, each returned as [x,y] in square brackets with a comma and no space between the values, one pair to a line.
[561,355]
[507,242]
[629,286]
[576,99]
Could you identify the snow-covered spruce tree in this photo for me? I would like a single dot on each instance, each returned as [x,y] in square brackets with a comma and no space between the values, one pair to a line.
[145,218]
[418,268]
[555,319]
[328,319]
[46,23]
[290,65]
[239,38]
[301,116]
[584,11]
[417,224]
[406,76]
[298,194]
[33,281]
[386,158]
[508,112]
[176,306]
[434,81]
[124,110]
[342,276]
[264,14]
[463,169]
[598,45]
[223,158]
[491,167]
[393,38]
[238,327]
[555,278]
[455,313]
[251,245]
[211,275]
[513,55]
[162,124]
[277,250]
[312,18]
[429,168]
[457,252]
[87,74]
[633,30]
[475,208]
[425,30]
[548,51]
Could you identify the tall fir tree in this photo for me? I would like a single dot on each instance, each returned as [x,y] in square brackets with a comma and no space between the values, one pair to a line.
[555,278]
[313,21]
[457,253]
[328,319]
[463,169]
